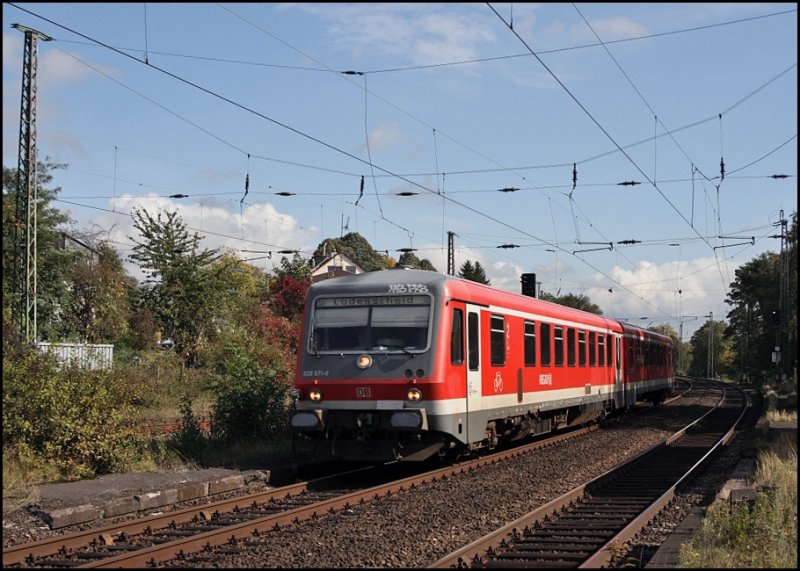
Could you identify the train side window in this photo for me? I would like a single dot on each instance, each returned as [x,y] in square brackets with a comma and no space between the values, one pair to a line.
[582,348]
[592,349]
[559,348]
[530,343]
[457,338]
[473,348]
[610,354]
[544,343]
[570,347]
[498,340]
[601,348]
[631,356]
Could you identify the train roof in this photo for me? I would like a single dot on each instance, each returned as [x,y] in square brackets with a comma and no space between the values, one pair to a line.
[457,288]
[381,278]
[630,329]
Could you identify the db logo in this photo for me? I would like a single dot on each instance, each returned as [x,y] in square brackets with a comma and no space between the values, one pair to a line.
[363,392]
[498,383]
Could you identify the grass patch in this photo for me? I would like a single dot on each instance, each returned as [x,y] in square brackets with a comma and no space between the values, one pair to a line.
[781,415]
[20,476]
[759,536]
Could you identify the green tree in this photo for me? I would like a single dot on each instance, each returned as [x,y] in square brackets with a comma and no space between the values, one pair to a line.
[53,264]
[579,301]
[355,246]
[410,259]
[759,320]
[298,268]
[241,288]
[97,308]
[140,333]
[182,287]
[473,272]
[754,318]
[710,338]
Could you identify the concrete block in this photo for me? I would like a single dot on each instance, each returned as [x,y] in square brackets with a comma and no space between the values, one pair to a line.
[225,484]
[157,499]
[748,495]
[119,506]
[192,490]
[62,517]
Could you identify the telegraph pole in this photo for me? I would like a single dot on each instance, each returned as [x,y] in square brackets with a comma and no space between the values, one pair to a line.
[24,277]
[711,345]
[783,300]
[683,319]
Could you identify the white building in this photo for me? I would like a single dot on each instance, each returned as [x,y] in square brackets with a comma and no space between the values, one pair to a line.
[334,266]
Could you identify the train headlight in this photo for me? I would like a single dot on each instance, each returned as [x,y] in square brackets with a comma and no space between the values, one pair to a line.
[315,395]
[363,361]
[414,394]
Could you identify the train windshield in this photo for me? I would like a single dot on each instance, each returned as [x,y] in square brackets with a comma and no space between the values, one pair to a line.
[371,323]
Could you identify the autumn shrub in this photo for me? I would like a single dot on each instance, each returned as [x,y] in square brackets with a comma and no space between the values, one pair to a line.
[157,382]
[250,396]
[72,420]
[189,441]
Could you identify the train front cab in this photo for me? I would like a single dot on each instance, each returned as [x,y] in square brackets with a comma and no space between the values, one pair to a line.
[368,380]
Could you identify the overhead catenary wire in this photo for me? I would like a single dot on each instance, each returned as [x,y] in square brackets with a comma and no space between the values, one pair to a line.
[597,123]
[470,61]
[390,175]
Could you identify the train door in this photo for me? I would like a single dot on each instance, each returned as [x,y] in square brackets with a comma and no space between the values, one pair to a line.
[473,372]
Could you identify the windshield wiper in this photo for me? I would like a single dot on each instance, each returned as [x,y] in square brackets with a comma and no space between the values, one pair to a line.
[401,347]
[314,345]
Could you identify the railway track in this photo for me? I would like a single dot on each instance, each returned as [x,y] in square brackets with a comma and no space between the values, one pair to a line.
[198,534]
[190,534]
[587,526]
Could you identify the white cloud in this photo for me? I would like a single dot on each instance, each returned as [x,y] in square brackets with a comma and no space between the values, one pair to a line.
[409,31]
[59,68]
[386,136]
[260,228]
[12,51]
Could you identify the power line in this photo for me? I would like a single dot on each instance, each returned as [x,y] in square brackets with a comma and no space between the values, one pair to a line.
[597,123]
[332,147]
[460,62]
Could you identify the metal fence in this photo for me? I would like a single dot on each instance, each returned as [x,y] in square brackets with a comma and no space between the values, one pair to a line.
[80,355]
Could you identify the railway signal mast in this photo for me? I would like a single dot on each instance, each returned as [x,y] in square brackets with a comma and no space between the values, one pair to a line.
[24,277]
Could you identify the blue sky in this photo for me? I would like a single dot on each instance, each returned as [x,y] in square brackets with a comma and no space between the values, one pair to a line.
[513,125]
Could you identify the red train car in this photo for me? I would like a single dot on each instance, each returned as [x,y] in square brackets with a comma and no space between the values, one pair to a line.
[407,364]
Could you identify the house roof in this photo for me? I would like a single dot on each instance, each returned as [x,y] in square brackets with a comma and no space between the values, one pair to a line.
[343,257]
[321,271]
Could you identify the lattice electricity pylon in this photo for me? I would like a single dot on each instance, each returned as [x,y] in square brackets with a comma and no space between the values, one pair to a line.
[24,278]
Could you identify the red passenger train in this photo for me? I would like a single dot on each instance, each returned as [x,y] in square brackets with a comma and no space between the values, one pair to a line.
[407,364]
